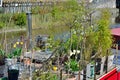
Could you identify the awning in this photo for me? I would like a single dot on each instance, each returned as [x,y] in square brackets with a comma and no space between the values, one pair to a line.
[115,31]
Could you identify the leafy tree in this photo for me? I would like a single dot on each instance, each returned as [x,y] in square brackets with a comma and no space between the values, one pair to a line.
[103,38]
[102,35]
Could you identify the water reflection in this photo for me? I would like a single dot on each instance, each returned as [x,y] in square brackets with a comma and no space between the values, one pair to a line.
[12,37]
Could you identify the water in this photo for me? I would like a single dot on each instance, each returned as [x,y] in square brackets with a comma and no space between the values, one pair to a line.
[13,37]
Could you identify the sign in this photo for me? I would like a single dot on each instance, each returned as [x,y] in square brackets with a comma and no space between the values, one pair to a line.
[116,59]
[112,75]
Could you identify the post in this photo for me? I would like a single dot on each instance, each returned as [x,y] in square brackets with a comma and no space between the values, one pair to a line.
[29,18]
[79,74]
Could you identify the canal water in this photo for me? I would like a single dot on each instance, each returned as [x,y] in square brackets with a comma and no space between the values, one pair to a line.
[12,37]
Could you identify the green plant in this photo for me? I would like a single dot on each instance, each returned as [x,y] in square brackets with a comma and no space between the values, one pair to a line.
[72,65]
[36,10]
[5,18]
[2,53]
[20,19]
[44,76]
[2,25]
[15,53]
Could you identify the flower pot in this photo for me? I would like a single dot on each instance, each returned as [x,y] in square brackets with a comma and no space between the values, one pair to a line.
[13,74]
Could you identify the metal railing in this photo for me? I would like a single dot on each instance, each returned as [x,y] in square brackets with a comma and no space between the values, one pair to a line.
[103,4]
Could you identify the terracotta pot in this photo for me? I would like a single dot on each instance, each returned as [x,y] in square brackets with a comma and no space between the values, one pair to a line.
[27,61]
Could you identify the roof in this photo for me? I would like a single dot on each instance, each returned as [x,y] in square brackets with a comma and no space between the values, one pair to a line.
[115,31]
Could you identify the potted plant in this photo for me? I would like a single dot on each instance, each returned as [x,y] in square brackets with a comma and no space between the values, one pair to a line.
[13,56]
[72,66]
[12,71]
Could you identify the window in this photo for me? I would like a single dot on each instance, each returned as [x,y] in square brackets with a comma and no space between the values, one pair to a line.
[117,3]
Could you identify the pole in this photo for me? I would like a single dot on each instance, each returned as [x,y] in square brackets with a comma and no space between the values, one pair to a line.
[60,74]
[29,18]
[79,74]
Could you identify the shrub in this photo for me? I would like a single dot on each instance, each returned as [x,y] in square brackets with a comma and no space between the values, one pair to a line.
[72,64]
[19,19]
[2,25]
[5,18]
[36,10]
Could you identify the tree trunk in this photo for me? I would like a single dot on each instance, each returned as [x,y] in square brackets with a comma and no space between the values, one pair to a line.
[79,75]
[79,72]
[61,74]
[84,73]
[106,64]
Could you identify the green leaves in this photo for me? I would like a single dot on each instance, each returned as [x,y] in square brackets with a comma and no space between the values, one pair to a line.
[72,64]
[44,76]
[19,19]
[103,38]
[15,53]
[2,52]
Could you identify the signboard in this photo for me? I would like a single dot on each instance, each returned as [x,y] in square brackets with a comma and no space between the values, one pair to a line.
[116,59]
[117,3]
[112,75]
[1,3]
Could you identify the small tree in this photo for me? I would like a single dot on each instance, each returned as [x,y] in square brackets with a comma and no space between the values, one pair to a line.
[102,36]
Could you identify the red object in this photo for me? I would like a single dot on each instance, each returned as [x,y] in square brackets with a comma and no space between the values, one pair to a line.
[112,75]
[115,32]
[116,37]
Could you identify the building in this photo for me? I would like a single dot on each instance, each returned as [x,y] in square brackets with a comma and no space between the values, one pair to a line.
[26,5]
